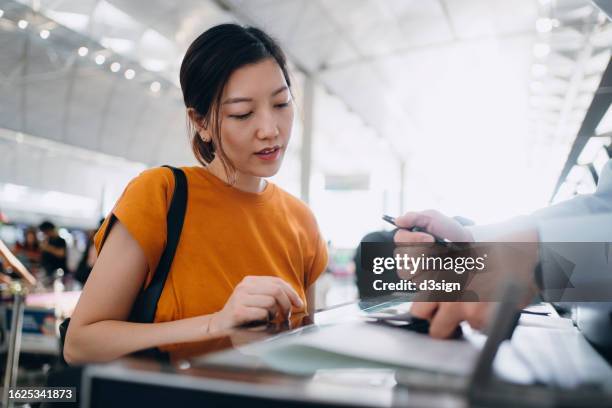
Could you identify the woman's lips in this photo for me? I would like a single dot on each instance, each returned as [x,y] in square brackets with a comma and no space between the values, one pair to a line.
[269,154]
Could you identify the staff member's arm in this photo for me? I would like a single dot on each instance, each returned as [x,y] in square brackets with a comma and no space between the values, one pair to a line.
[446,316]
[585,218]
[99,331]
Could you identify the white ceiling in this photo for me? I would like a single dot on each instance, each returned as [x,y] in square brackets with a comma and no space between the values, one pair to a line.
[448,84]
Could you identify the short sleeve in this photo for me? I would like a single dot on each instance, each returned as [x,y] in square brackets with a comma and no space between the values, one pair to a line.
[319,261]
[59,243]
[142,209]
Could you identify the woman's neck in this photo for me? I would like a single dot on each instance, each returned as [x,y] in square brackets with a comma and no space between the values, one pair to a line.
[243,182]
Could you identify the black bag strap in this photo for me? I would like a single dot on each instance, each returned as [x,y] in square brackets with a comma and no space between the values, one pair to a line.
[145,305]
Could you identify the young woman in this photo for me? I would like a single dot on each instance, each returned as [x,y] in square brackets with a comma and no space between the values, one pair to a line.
[29,251]
[248,250]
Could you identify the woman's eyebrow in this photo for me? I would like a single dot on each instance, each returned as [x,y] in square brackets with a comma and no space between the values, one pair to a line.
[245,99]
[279,90]
[237,100]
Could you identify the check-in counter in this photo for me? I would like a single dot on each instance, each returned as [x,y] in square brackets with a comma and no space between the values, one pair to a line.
[225,371]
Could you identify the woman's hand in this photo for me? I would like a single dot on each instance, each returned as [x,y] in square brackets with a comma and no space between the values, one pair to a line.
[256,298]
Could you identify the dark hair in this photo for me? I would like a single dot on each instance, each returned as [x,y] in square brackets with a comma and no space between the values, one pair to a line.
[46,226]
[205,70]
[30,230]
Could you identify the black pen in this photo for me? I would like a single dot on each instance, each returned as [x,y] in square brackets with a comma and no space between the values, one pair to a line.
[437,240]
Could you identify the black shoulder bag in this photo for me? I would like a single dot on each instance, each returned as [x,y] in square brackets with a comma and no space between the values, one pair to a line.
[145,305]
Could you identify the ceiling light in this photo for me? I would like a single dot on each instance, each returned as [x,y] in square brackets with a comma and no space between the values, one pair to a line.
[115,67]
[155,86]
[129,73]
[83,51]
[44,34]
[539,70]
[22,24]
[1,13]
[541,50]
[100,59]
[544,25]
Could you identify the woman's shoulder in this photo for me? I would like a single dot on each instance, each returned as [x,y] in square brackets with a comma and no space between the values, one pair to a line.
[153,179]
[155,176]
[151,187]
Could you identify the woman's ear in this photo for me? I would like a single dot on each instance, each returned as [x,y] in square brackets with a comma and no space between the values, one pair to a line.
[199,123]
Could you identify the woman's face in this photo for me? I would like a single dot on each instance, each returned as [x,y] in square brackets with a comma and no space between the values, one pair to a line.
[256,117]
[30,238]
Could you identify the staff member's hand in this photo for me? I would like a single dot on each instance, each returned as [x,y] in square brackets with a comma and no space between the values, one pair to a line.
[432,222]
[444,317]
[256,298]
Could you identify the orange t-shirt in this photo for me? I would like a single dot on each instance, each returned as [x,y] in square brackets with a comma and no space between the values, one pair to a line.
[227,234]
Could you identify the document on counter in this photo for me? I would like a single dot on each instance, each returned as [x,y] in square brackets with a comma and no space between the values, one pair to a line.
[364,345]
[561,357]
[547,322]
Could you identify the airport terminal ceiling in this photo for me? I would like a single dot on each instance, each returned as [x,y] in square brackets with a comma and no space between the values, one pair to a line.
[412,81]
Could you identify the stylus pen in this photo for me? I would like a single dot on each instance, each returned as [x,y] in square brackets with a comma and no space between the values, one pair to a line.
[535,313]
[438,240]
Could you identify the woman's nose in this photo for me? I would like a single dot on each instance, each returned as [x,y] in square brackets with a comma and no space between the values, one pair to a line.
[268,127]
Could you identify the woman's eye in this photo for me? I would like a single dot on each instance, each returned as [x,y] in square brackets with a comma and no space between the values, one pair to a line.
[282,105]
[241,117]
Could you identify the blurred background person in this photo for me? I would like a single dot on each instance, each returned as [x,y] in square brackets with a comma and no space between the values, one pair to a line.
[88,258]
[28,251]
[53,249]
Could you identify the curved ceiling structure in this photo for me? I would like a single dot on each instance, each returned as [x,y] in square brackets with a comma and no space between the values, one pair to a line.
[414,81]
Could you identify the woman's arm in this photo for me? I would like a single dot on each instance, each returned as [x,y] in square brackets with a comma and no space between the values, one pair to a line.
[99,331]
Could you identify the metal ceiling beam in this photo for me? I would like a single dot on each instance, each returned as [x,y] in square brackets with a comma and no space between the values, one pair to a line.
[575,81]
[429,46]
[598,108]
[106,108]
[448,18]
[73,63]
[24,72]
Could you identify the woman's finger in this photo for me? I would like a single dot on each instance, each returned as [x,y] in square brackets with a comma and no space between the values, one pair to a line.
[291,293]
[269,288]
[262,301]
[252,314]
[257,281]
